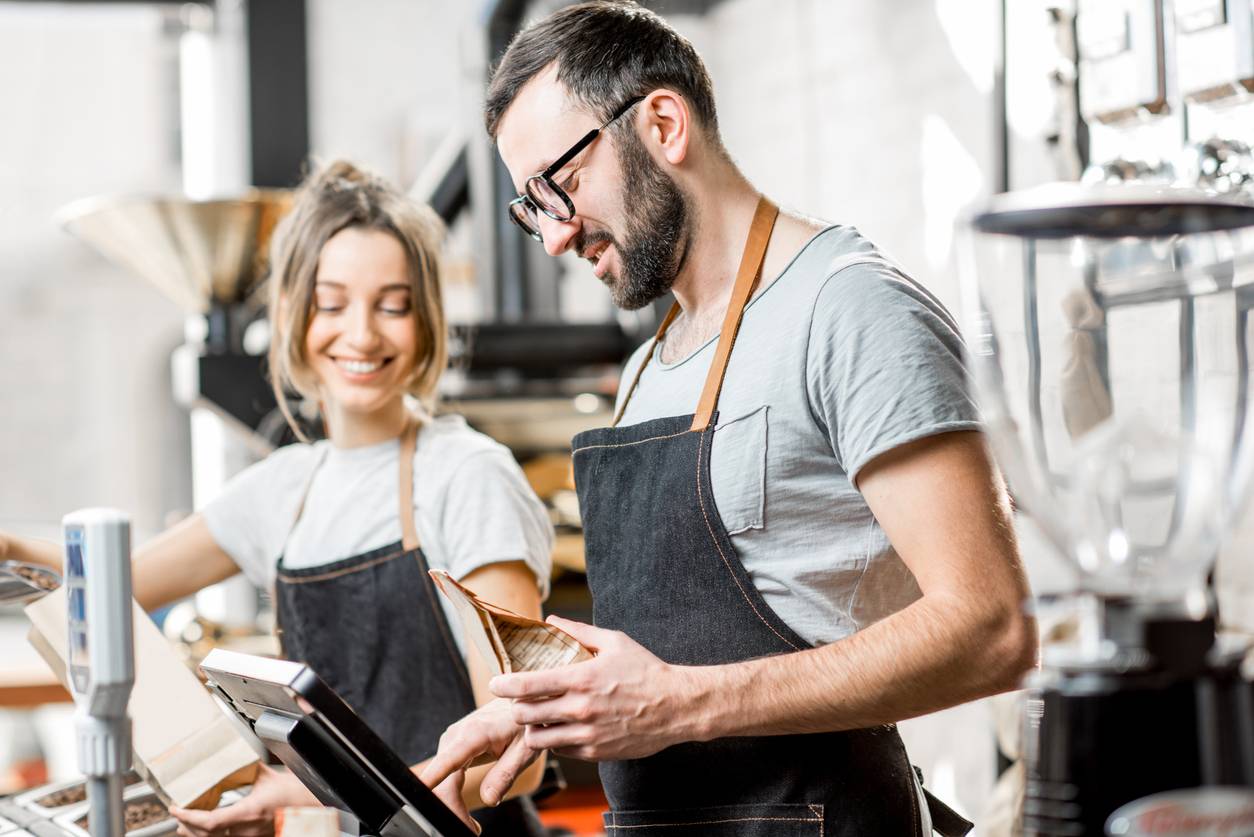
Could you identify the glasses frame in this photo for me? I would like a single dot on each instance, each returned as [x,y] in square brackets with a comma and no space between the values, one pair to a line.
[526,199]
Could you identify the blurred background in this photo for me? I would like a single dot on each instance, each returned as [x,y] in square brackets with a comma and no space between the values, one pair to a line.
[125,382]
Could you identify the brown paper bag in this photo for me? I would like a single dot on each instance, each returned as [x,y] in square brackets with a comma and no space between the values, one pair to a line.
[507,641]
[184,744]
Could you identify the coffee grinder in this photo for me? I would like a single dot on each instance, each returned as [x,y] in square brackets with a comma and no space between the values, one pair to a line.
[1109,338]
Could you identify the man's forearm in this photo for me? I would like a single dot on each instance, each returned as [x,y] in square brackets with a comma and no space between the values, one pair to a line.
[926,657]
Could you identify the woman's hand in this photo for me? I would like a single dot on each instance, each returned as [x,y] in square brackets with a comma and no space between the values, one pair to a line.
[252,816]
[489,733]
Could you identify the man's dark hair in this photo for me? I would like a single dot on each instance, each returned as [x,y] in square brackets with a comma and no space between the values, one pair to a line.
[606,52]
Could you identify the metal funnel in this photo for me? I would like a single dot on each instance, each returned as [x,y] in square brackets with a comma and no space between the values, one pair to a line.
[200,254]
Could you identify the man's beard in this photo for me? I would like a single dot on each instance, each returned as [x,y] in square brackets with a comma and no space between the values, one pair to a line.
[657,229]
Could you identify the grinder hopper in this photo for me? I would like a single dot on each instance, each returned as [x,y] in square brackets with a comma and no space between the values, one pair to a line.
[208,257]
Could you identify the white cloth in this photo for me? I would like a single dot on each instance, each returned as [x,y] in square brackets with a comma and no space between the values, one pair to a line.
[472,507]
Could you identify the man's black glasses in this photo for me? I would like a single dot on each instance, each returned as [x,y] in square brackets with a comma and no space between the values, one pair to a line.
[542,194]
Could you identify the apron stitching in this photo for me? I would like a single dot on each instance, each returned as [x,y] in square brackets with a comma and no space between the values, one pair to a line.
[717,822]
[304,579]
[913,790]
[629,444]
[718,546]
[817,810]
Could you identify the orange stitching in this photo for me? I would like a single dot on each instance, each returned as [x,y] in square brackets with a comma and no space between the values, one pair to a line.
[915,785]
[817,810]
[716,822]
[714,537]
[629,444]
[305,579]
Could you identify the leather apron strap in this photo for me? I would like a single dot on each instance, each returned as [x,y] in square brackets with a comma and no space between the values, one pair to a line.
[747,276]
[409,441]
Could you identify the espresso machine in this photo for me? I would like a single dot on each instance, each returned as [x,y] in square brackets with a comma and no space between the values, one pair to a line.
[1109,335]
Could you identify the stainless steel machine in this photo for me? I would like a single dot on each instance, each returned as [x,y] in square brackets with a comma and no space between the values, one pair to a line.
[208,257]
[1109,338]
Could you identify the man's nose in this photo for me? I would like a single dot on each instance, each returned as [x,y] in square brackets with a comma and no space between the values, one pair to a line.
[557,235]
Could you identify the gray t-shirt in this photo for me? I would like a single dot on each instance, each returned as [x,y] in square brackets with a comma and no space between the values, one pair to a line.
[840,359]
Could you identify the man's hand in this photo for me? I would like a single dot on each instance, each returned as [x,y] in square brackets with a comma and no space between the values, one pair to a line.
[623,703]
[487,733]
[252,816]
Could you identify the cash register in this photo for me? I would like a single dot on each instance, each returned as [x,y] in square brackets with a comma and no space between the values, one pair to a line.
[318,736]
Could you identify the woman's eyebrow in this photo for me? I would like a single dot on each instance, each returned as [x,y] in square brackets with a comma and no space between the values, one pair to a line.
[331,283]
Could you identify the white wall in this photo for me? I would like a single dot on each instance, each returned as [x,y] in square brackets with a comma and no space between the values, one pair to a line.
[870,114]
[85,412]
[382,79]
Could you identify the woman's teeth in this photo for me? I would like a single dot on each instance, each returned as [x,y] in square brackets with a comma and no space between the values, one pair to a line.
[359,367]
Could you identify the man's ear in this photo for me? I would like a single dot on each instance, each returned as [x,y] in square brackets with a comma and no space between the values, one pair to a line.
[668,124]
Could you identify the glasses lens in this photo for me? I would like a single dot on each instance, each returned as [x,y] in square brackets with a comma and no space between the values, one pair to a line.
[524,215]
[551,200]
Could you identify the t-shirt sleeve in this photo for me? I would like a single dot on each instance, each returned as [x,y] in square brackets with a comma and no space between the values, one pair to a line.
[490,515]
[884,365]
[252,515]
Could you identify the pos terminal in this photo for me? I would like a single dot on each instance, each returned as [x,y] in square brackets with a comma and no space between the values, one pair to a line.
[101,655]
[313,731]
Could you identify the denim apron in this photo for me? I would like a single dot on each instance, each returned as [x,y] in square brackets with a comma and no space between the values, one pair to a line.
[372,627]
[662,569]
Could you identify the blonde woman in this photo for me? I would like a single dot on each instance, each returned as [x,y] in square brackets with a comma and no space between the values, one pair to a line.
[343,531]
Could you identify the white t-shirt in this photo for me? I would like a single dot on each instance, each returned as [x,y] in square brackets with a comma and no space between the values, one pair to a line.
[472,507]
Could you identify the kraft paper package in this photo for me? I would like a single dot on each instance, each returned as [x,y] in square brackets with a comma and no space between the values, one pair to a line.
[509,642]
[184,744]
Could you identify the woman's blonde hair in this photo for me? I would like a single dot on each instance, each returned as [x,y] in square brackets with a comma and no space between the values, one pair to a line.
[336,197]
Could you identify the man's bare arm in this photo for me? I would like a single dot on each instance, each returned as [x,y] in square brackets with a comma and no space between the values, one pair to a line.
[945,510]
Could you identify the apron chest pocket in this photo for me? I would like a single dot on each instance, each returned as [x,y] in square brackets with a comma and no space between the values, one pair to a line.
[738,471]
[721,821]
